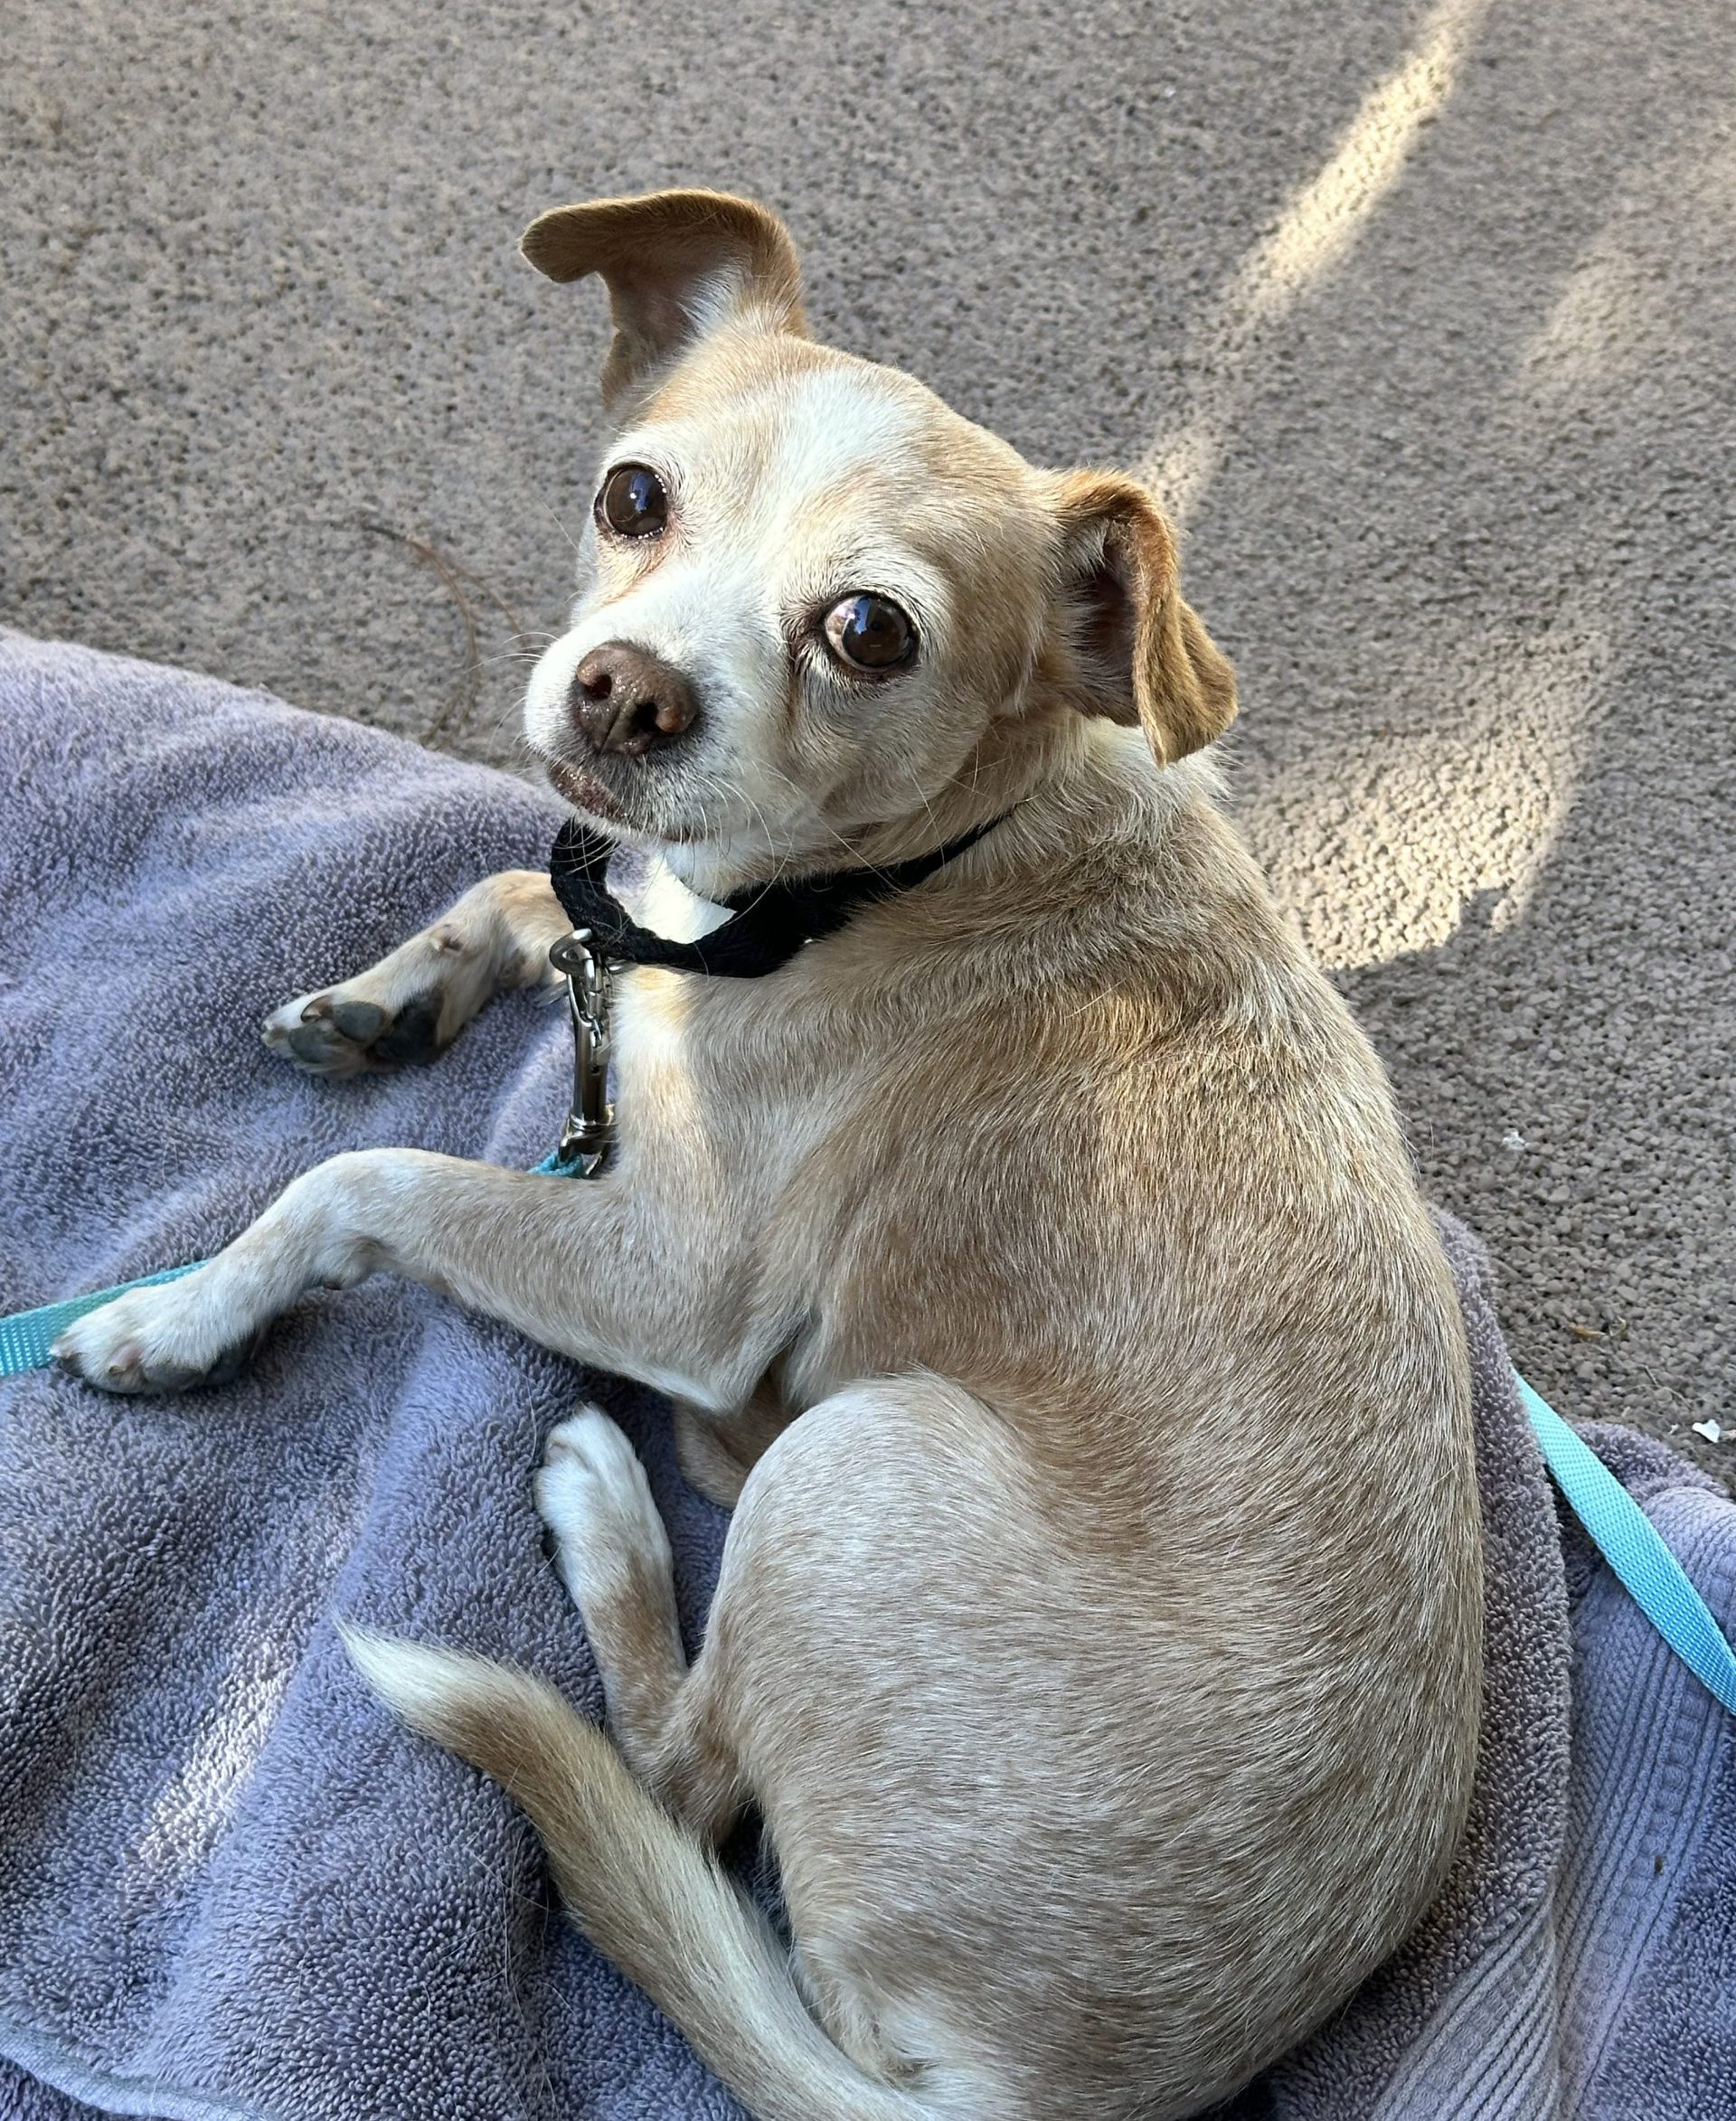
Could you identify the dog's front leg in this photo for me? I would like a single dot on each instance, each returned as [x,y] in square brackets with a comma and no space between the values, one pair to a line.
[412,1005]
[565,1260]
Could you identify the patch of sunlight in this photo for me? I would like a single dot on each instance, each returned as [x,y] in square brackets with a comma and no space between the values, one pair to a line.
[1629,306]
[194,1806]
[1314,232]
[1590,334]
[1468,810]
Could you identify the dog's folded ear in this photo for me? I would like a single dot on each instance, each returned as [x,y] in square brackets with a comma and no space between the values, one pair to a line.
[1135,651]
[677,265]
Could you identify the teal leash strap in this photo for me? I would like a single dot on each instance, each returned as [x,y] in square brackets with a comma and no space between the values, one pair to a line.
[1634,1547]
[554,1165]
[26,1336]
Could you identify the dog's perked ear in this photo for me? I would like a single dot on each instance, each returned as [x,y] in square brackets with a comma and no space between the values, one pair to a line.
[1139,652]
[677,265]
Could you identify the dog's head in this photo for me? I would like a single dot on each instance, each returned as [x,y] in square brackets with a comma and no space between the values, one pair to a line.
[816,603]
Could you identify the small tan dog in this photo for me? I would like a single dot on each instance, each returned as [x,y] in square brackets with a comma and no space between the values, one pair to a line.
[1034,1262]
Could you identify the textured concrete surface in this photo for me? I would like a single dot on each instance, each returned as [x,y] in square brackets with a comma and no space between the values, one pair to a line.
[1425,319]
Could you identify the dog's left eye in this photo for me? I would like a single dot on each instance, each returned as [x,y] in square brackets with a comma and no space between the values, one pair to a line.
[634,502]
[871,634]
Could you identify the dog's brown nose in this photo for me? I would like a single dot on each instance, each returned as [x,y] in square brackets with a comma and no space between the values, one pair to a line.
[625,699]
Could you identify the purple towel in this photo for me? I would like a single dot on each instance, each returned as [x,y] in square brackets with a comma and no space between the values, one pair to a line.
[230,1885]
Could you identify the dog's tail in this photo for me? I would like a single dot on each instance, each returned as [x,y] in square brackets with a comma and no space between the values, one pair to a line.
[641,1889]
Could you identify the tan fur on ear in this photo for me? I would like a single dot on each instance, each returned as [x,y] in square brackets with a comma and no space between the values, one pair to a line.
[1139,650]
[677,265]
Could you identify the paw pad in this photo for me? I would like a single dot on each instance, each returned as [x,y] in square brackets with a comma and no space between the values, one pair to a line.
[329,1034]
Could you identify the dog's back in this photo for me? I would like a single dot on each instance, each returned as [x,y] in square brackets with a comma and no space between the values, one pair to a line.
[1134,1637]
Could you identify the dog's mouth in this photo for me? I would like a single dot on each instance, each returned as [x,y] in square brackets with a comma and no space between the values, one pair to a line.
[584,791]
[589,792]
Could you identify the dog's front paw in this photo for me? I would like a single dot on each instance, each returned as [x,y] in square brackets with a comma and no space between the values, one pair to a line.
[594,1498]
[167,1339]
[343,1031]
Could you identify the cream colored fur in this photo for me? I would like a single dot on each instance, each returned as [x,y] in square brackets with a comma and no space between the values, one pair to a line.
[1036,1265]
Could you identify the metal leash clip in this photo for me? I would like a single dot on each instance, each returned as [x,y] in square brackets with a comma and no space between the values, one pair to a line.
[587,1137]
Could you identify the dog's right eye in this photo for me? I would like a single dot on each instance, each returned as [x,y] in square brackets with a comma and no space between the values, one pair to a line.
[633,501]
[871,635]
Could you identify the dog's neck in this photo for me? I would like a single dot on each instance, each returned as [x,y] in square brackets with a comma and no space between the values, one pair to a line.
[648,887]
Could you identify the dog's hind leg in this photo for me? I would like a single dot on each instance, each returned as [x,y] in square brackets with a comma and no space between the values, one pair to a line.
[612,1552]
[717,1452]
[412,1005]
[806,1696]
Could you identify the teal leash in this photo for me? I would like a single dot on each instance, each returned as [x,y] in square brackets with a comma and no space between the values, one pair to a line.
[1616,1525]
[26,1337]
[1634,1547]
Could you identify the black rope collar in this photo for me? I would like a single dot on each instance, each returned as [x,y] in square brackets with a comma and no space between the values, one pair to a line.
[768,923]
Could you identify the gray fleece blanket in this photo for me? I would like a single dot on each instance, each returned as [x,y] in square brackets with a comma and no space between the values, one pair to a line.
[230,1886]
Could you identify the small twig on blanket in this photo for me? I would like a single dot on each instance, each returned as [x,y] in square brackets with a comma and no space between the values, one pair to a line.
[462,702]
